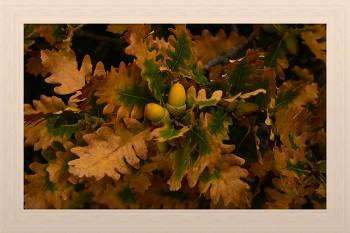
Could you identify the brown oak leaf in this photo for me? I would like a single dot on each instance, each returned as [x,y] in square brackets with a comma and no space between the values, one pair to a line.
[108,149]
[64,70]
[37,195]
[228,184]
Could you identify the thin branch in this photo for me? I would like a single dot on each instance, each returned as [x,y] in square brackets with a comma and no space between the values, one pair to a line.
[225,58]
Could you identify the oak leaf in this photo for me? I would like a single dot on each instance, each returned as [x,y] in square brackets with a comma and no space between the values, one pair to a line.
[41,133]
[168,132]
[120,88]
[34,65]
[117,28]
[303,74]
[64,70]
[200,99]
[142,30]
[182,53]
[288,199]
[107,149]
[58,168]
[225,182]
[118,196]
[40,193]
[297,94]
[209,47]
[292,128]
[140,178]
[311,39]
[181,158]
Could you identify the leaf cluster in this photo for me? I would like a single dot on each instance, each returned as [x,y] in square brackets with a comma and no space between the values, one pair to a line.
[253,134]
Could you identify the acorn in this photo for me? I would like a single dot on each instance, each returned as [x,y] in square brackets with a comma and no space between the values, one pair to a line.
[156,113]
[163,147]
[240,108]
[270,28]
[291,42]
[176,100]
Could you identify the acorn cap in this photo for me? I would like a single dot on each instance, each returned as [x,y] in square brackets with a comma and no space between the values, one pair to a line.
[236,107]
[161,122]
[176,111]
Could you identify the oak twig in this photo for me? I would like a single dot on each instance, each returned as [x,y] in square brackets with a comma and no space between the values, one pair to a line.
[225,58]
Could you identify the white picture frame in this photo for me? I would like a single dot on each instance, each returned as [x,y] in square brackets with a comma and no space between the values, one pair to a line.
[336,14]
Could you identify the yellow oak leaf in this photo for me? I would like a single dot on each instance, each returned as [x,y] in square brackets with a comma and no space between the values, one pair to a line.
[117,28]
[108,150]
[40,193]
[37,133]
[303,74]
[226,182]
[311,39]
[64,70]
[58,168]
[209,47]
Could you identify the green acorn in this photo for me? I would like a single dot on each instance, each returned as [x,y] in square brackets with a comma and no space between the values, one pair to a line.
[270,28]
[176,100]
[163,147]
[240,108]
[291,42]
[156,113]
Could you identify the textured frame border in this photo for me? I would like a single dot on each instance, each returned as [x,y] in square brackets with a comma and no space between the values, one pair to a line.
[336,218]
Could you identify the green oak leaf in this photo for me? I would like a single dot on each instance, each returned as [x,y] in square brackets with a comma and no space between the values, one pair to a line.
[181,54]
[205,176]
[277,50]
[156,80]
[168,132]
[182,160]
[219,123]
[66,128]
[298,168]
[240,77]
